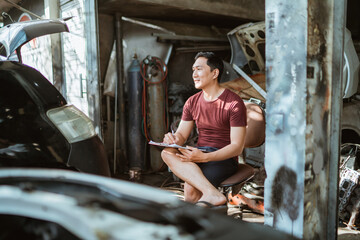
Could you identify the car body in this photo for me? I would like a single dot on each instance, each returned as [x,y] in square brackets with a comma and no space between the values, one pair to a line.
[38,128]
[61,204]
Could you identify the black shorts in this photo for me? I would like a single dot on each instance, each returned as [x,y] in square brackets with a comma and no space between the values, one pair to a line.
[218,171]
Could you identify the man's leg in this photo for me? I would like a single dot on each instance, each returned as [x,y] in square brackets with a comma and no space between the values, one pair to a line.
[190,173]
[191,194]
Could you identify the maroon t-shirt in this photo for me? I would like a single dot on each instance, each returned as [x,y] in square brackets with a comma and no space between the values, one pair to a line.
[214,118]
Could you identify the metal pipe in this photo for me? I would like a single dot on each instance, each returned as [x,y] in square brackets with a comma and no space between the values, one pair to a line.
[168,54]
[115,124]
[120,86]
[149,25]
[108,118]
[252,82]
[202,48]
[171,37]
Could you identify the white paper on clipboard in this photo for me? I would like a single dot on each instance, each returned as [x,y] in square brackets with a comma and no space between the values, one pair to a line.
[170,145]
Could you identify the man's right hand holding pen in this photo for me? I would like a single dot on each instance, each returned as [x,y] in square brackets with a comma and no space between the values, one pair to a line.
[170,138]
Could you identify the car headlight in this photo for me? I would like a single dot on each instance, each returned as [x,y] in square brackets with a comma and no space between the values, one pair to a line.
[72,123]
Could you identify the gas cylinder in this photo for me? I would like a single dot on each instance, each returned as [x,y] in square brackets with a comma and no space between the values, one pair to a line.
[156,105]
[136,140]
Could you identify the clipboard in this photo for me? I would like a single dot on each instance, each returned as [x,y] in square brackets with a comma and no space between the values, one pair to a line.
[170,145]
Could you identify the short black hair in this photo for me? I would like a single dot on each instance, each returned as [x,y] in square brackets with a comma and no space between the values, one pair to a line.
[213,62]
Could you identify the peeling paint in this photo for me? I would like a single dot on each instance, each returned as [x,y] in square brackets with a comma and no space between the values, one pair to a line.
[301,87]
[286,125]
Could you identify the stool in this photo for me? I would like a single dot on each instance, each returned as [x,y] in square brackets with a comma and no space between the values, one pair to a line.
[242,175]
[234,183]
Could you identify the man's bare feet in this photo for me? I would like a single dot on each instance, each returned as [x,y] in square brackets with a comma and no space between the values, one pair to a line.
[214,197]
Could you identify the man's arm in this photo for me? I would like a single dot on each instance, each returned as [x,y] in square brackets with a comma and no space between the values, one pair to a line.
[181,134]
[235,148]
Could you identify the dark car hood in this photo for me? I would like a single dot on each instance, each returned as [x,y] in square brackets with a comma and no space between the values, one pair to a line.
[15,35]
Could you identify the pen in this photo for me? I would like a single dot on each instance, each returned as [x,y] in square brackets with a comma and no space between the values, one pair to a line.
[173,133]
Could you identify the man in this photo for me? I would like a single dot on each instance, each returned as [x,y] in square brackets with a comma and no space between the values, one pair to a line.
[220,116]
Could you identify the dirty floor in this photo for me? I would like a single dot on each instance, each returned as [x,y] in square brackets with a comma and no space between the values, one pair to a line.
[165,180]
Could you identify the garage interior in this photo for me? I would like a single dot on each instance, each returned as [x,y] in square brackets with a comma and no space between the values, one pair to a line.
[125,36]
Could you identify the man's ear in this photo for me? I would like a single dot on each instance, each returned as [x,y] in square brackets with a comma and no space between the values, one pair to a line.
[216,73]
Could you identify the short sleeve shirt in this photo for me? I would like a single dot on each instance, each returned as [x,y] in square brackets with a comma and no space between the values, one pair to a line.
[214,118]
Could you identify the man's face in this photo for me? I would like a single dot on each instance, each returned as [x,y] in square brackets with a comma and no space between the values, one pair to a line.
[202,74]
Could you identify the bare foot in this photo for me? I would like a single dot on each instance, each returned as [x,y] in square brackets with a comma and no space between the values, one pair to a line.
[215,197]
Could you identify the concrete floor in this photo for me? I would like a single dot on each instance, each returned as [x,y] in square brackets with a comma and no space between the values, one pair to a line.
[343,232]
[166,181]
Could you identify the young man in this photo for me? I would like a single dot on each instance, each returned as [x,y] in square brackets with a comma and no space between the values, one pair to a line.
[220,116]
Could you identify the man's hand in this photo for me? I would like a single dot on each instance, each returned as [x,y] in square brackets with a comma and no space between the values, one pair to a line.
[170,138]
[182,133]
[192,155]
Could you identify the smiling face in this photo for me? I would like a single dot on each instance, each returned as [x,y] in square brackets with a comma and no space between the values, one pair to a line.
[202,74]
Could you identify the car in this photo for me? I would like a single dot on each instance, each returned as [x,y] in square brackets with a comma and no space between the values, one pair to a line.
[38,128]
[62,204]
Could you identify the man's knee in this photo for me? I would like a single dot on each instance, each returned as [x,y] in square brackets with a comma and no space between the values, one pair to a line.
[167,154]
[164,155]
